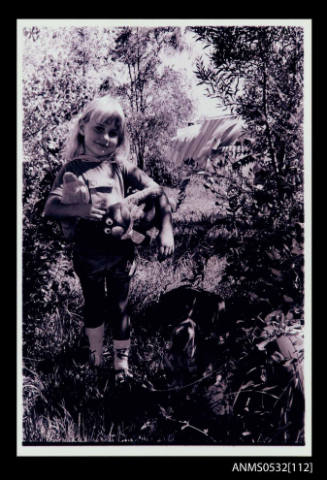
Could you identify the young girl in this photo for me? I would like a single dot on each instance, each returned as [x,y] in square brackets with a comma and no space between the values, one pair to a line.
[97,159]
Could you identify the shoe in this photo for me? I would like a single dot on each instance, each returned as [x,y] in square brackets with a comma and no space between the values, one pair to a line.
[123,376]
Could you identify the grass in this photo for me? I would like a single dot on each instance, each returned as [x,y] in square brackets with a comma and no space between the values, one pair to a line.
[230,398]
[235,400]
[233,394]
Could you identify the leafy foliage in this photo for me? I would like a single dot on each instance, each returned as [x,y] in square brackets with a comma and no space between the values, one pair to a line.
[238,235]
[257,72]
[52,97]
[155,95]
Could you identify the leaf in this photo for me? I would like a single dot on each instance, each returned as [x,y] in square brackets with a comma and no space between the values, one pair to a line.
[164,412]
[251,370]
[146,425]
[218,380]
[242,387]
[277,273]
[277,357]
[186,424]
[266,389]
[288,299]
[262,345]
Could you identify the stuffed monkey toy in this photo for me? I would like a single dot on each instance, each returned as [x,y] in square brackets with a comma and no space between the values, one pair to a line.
[121,217]
[74,190]
[135,210]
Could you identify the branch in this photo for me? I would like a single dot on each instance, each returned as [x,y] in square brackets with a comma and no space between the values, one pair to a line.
[131,82]
[265,110]
[138,68]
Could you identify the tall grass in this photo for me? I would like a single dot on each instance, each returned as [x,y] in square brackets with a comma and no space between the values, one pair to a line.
[234,393]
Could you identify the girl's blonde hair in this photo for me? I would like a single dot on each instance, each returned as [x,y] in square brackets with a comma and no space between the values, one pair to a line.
[100,109]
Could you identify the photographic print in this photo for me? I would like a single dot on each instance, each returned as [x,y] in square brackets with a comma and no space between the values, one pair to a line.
[164,223]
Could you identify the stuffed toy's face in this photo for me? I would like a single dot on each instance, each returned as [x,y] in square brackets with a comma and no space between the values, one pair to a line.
[117,220]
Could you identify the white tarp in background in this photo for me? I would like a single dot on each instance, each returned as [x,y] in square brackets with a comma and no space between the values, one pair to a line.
[197,141]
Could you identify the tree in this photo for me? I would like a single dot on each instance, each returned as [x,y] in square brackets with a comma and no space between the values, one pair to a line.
[63,69]
[257,72]
[156,96]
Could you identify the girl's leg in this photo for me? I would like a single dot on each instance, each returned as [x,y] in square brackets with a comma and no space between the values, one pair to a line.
[118,296]
[95,304]
[93,287]
[118,282]
[95,337]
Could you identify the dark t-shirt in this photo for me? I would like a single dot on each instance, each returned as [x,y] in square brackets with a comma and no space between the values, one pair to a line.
[107,183]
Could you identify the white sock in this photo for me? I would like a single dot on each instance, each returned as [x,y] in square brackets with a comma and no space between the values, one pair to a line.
[121,351]
[95,336]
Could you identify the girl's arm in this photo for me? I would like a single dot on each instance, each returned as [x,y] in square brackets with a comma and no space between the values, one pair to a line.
[149,188]
[166,235]
[141,196]
[56,209]
[67,182]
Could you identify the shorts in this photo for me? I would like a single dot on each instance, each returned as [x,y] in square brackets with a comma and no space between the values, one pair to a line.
[105,282]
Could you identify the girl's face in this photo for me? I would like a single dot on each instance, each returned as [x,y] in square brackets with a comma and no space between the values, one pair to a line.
[100,138]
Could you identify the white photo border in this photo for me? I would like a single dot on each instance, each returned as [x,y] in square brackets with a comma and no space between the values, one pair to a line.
[175,450]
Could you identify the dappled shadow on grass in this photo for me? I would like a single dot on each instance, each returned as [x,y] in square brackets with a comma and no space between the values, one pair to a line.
[102,413]
[207,409]
[71,388]
[231,393]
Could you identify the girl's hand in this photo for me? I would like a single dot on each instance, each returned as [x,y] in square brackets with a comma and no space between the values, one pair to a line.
[166,242]
[89,212]
[56,209]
